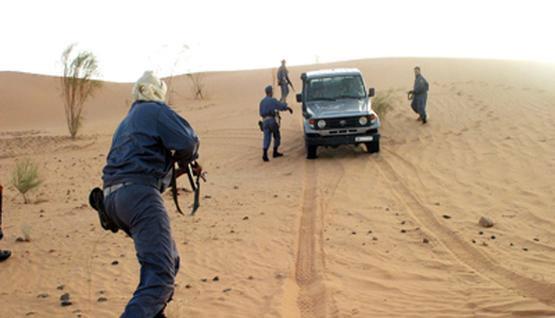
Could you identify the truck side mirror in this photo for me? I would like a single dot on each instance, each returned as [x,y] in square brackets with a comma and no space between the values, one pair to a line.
[299,98]
[371,92]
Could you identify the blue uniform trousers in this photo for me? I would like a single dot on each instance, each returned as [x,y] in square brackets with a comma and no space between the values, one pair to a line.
[418,104]
[271,129]
[139,210]
[284,92]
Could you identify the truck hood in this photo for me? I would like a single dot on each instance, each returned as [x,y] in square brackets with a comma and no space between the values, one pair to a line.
[338,108]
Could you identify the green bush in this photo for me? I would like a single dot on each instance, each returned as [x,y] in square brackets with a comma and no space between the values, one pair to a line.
[25,177]
[383,103]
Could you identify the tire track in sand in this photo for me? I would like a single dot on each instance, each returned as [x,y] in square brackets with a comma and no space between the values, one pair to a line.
[313,300]
[461,250]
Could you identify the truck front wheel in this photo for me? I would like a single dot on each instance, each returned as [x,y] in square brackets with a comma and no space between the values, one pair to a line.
[373,146]
[311,152]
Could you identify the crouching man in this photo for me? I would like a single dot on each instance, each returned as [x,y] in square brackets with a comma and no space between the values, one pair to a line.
[144,148]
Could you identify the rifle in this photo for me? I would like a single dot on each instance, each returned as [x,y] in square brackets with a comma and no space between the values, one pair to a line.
[290,83]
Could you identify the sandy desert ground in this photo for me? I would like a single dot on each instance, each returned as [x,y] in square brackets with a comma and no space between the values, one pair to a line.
[342,236]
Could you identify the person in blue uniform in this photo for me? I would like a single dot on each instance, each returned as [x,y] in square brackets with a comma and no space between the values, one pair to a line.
[269,108]
[144,148]
[284,82]
[419,95]
[4,254]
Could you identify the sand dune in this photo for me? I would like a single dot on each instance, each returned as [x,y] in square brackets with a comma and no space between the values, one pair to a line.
[347,235]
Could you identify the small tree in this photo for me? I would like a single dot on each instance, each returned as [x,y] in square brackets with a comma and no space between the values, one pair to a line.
[184,48]
[77,85]
[197,88]
[25,177]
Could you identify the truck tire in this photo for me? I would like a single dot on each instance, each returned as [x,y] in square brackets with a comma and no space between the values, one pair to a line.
[311,152]
[373,147]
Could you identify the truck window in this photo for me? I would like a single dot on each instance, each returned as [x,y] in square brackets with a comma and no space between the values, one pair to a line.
[336,87]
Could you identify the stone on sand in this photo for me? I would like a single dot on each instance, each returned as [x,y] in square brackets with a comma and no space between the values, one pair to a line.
[485,222]
[64,300]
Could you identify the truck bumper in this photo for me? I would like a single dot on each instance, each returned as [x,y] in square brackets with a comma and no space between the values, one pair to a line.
[337,140]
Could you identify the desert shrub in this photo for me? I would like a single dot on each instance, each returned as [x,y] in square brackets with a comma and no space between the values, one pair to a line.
[77,85]
[25,177]
[26,232]
[383,103]
[182,55]
[197,85]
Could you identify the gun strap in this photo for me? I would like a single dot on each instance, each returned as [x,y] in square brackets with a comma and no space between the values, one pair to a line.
[195,186]
[173,185]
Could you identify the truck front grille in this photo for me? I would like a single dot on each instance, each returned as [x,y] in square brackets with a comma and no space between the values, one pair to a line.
[338,123]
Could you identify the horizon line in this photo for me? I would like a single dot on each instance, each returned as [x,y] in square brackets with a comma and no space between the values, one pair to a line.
[209,71]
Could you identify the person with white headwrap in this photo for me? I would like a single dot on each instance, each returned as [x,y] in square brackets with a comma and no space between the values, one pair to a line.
[144,148]
[149,88]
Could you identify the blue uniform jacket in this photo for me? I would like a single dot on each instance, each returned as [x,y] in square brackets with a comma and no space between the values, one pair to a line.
[420,85]
[269,106]
[142,145]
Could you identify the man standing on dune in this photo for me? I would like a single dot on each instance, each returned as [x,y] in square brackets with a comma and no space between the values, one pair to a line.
[269,109]
[419,95]
[4,255]
[144,148]
[284,82]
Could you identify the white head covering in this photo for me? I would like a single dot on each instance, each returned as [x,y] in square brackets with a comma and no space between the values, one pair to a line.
[149,88]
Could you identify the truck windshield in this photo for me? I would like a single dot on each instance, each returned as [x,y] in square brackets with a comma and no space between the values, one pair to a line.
[336,87]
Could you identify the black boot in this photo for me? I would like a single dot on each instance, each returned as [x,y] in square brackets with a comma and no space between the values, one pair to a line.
[277,154]
[4,255]
[265,155]
[161,315]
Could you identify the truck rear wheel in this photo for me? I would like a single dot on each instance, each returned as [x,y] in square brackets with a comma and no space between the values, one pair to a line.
[311,152]
[373,147]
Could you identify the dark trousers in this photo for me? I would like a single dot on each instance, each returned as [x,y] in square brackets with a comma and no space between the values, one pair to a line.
[284,92]
[271,129]
[139,210]
[418,105]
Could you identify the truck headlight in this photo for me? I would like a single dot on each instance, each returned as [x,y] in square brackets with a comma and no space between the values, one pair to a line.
[312,123]
[321,124]
[363,121]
